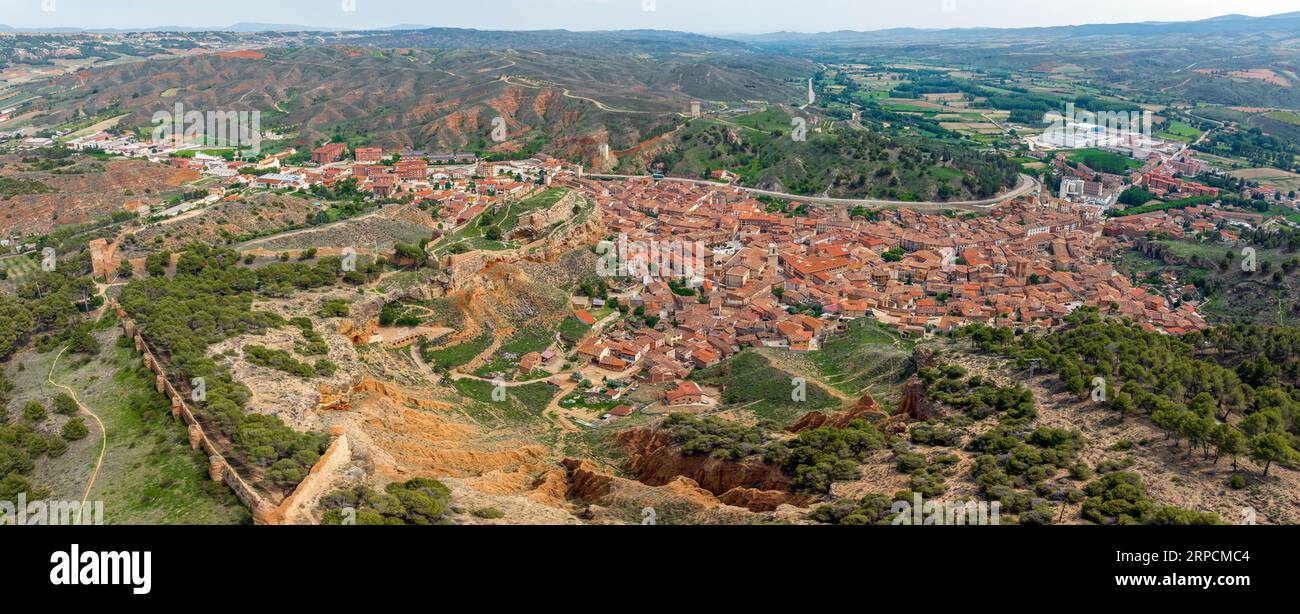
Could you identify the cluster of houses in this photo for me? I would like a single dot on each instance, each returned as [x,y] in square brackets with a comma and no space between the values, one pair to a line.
[1193,223]
[771,280]
[461,183]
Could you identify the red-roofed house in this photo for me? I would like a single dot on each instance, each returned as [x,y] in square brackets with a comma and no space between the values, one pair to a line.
[688,393]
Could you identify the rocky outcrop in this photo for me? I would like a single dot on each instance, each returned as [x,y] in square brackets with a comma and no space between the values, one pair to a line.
[608,499]
[359,335]
[657,462]
[866,409]
[395,394]
[756,500]
[586,482]
[551,489]
[916,401]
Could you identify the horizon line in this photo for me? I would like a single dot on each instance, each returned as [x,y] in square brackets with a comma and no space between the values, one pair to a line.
[273,28]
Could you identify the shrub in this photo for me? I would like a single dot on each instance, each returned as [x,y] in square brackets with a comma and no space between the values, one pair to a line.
[64,405]
[33,411]
[421,501]
[871,509]
[75,430]
[1120,498]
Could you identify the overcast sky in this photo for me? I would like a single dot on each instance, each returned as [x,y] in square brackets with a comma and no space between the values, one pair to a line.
[707,16]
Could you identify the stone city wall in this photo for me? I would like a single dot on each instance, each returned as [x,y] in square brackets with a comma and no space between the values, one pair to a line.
[219,469]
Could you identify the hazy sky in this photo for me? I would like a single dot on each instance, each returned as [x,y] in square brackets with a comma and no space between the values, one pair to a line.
[710,16]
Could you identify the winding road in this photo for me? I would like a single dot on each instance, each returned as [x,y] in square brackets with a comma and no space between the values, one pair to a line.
[1027,184]
[569,94]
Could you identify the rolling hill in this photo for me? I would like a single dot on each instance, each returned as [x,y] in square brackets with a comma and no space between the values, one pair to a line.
[1230,60]
[567,103]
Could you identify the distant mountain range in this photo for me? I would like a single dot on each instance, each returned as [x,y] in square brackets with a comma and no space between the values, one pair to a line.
[1219,25]
[245,27]
[596,42]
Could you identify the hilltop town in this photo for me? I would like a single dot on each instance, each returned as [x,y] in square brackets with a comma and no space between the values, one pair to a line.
[506,282]
[703,270]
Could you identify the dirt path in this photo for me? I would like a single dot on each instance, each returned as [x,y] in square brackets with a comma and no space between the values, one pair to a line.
[101,290]
[247,245]
[421,365]
[103,445]
[558,415]
[487,380]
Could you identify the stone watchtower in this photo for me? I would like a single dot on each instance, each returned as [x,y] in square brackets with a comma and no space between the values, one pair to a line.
[102,255]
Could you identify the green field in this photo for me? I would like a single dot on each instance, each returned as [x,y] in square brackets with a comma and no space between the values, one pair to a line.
[524,341]
[1179,131]
[1285,212]
[771,120]
[1209,252]
[1103,161]
[573,330]
[522,403]
[1289,117]
[943,173]
[457,355]
[532,339]
[907,108]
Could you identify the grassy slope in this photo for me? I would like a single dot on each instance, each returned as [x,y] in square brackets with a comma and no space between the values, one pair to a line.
[473,235]
[524,341]
[867,359]
[150,474]
[457,355]
[750,381]
[522,403]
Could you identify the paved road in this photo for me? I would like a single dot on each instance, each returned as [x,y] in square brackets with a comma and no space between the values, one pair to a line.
[1027,184]
[569,94]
